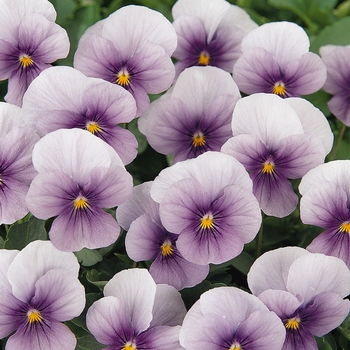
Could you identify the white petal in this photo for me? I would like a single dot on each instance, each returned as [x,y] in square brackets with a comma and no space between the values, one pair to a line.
[267,116]
[270,270]
[34,261]
[214,170]
[337,172]
[286,41]
[137,289]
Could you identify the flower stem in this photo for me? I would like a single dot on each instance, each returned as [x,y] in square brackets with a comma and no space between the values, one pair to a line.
[336,146]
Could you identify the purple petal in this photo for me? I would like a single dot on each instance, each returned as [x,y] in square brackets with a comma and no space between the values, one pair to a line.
[339,105]
[284,304]
[168,308]
[254,334]
[326,312]
[59,295]
[305,75]
[160,338]
[301,339]
[139,203]
[90,228]
[274,192]
[256,71]
[48,335]
[108,321]
[298,154]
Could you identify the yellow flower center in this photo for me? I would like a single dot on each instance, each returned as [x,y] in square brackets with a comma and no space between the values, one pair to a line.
[345,227]
[292,323]
[123,78]
[80,203]
[25,61]
[207,221]
[203,58]
[93,127]
[198,140]
[235,347]
[34,316]
[166,248]
[129,346]
[279,89]
[268,167]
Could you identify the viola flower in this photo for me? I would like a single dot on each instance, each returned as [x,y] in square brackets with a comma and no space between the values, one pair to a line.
[147,239]
[39,290]
[208,202]
[229,318]
[136,313]
[74,101]
[16,168]
[303,290]
[276,59]
[336,59]
[270,141]
[131,48]
[29,41]
[324,203]
[195,117]
[79,176]
[209,33]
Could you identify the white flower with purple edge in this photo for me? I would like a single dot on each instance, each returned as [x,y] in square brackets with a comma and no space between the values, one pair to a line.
[276,59]
[230,318]
[147,239]
[136,313]
[195,116]
[271,142]
[29,41]
[39,290]
[16,169]
[324,203]
[209,33]
[64,98]
[79,175]
[303,290]
[131,48]
[208,202]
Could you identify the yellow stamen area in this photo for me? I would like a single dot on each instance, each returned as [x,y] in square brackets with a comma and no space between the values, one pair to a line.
[123,78]
[279,89]
[345,227]
[203,58]
[80,203]
[166,248]
[235,347]
[268,167]
[93,127]
[292,323]
[129,346]
[34,316]
[25,60]
[207,221]
[198,140]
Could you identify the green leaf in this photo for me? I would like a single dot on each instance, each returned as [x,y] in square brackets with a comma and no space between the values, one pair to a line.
[335,34]
[94,277]
[2,242]
[141,138]
[19,235]
[88,257]
[64,9]
[326,342]
[85,340]
[243,262]
[344,328]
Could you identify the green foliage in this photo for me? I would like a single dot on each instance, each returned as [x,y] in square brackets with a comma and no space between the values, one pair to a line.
[20,234]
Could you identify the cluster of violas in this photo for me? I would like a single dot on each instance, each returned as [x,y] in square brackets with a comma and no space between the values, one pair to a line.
[63,155]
